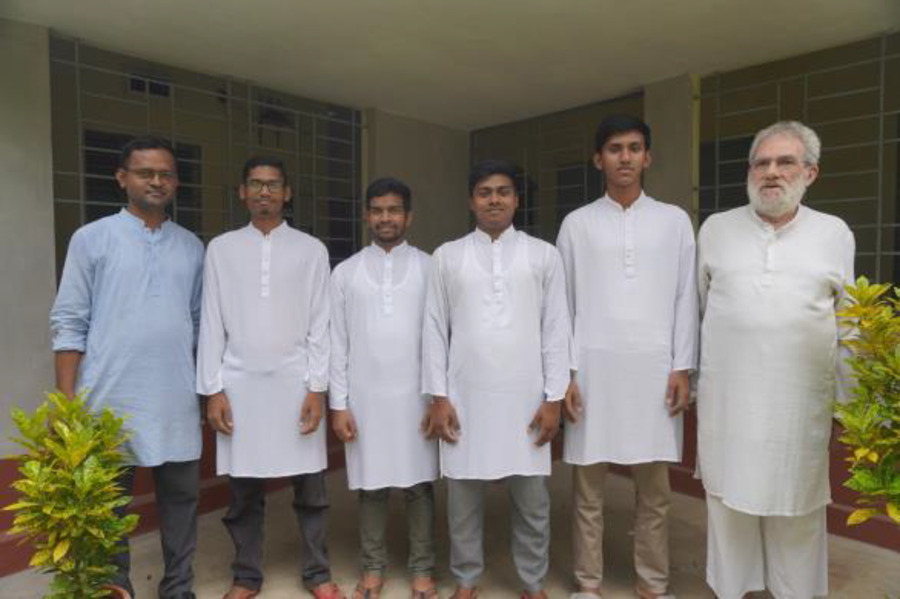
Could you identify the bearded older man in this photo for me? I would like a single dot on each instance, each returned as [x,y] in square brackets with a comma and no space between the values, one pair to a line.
[770,276]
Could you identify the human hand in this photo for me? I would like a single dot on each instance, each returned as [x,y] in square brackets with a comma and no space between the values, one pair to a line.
[344,425]
[441,420]
[546,422]
[218,413]
[678,392]
[311,412]
[572,405]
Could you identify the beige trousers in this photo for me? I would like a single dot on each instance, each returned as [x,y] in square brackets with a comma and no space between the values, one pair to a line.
[651,534]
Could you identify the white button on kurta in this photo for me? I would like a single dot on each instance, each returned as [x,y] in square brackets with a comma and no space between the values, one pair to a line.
[630,276]
[376,350]
[264,342]
[495,342]
[769,357]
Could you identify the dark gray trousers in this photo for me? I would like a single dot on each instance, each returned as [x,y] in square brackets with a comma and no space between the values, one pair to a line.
[177,490]
[244,522]
[373,515]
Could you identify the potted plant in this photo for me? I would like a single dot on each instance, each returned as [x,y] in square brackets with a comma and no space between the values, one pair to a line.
[871,420]
[69,493]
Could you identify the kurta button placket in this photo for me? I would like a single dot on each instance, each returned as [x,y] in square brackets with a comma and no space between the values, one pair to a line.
[768,265]
[387,277]
[497,270]
[629,257]
[265,267]
[152,238]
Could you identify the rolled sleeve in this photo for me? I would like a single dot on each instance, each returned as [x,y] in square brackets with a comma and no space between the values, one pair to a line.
[70,317]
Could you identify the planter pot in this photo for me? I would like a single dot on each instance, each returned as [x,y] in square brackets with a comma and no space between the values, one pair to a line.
[116,592]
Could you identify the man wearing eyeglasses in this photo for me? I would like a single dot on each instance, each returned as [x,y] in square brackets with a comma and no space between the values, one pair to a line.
[771,276]
[124,327]
[263,364]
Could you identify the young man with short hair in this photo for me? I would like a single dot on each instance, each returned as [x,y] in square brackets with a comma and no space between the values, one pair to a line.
[495,350]
[263,364]
[631,288]
[377,301]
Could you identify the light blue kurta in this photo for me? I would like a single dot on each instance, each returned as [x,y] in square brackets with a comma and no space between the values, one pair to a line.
[129,299]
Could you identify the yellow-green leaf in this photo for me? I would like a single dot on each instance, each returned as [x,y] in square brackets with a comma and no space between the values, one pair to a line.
[861,515]
[61,549]
[893,511]
[860,452]
[40,558]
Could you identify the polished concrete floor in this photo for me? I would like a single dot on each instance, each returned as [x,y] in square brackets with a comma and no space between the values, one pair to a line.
[857,570]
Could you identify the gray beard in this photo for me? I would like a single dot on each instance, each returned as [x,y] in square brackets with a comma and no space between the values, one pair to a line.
[784,204]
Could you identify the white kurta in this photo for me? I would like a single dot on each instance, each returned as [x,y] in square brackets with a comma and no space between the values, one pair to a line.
[264,342]
[631,282]
[377,302]
[495,342]
[769,357]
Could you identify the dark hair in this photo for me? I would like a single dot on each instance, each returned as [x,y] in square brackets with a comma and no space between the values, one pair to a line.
[144,142]
[487,168]
[257,161]
[618,124]
[389,185]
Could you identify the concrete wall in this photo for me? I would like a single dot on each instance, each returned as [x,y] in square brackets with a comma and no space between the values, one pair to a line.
[671,109]
[434,162]
[27,267]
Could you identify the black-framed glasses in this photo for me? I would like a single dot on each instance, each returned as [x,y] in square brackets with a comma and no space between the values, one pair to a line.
[148,174]
[256,185]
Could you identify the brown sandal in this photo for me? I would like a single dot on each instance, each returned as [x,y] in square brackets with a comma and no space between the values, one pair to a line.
[429,593]
[363,592]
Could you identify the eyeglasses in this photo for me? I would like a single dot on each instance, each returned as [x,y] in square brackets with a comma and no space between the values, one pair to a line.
[782,164]
[148,174]
[256,186]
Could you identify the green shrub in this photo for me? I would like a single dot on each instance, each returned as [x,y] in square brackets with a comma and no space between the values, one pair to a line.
[68,493]
[871,420]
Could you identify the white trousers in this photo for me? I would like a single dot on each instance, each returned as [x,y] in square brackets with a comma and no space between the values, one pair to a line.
[788,555]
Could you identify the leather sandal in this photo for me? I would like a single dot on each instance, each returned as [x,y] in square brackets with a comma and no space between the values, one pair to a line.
[328,590]
[238,592]
[363,592]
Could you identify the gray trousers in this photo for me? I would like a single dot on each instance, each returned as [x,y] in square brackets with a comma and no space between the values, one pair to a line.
[373,512]
[177,488]
[529,528]
[244,522]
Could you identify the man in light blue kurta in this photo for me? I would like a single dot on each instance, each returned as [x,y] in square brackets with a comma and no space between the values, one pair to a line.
[124,328]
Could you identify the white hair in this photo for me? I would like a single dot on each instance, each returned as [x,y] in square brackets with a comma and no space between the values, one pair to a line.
[812,145]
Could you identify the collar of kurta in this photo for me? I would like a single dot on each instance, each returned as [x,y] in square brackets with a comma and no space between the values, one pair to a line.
[482,237]
[251,228]
[396,250]
[641,201]
[791,224]
[138,224]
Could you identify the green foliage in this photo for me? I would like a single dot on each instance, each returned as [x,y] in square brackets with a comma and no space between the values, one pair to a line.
[68,492]
[871,420]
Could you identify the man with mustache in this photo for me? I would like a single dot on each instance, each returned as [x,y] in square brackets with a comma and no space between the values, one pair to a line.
[262,362]
[124,328]
[377,301]
[631,288]
[771,276]
[495,361]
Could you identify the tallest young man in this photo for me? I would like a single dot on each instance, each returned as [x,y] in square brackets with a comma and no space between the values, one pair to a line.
[630,274]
